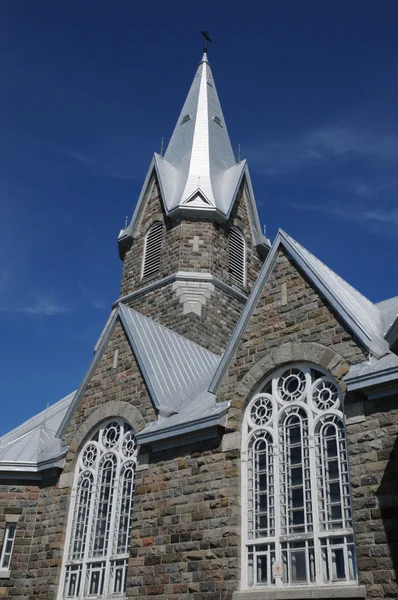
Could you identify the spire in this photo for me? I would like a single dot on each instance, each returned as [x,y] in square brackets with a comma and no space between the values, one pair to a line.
[199,170]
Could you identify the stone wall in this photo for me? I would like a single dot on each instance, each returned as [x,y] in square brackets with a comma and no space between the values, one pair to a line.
[180,253]
[373,452]
[185,538]
[193,246]
[18,504]
[212,329]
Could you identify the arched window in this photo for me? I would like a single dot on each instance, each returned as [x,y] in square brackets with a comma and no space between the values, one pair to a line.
[98,535]
[297,523]
[237,256]
[153,244]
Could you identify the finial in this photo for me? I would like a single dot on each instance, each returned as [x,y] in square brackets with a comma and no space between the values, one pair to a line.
[265,230]
[238,153]
[205,34]
[125,224]
[161,147]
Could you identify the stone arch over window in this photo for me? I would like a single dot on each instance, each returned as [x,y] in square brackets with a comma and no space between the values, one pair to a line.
[296,505]
[152,250]
[237,256]
[100,515]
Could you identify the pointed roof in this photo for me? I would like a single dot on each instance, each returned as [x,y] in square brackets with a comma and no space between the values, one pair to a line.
[198,175]
[199,156]
[33,446]
[173,367]
[362,317]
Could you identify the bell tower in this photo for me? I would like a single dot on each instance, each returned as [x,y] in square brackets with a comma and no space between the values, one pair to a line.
[194,247]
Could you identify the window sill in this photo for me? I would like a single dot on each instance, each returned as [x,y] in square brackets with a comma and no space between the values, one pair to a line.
[5,573]
[302,593]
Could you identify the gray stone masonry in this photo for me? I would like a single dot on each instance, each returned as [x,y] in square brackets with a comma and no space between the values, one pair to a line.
[194,246]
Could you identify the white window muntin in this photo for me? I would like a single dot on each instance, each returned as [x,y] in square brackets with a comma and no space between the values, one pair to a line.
[318,396]
[96,562]
[8,546]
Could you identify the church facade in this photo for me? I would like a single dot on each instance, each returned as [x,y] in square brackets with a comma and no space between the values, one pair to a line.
[235,434]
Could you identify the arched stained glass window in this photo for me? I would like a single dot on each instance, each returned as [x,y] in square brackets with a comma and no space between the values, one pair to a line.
[98,539]
[297,523]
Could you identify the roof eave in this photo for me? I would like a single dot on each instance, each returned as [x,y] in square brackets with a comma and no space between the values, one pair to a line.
[209,423]
[370,380]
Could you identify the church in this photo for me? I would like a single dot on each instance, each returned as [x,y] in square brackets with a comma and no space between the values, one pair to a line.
[234,436]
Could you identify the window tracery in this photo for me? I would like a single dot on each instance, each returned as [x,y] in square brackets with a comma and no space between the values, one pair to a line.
[98,538]
[297,506]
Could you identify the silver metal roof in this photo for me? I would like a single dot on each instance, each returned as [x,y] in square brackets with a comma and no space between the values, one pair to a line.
[362,313]
[389,311]
[173,366]
[33,446]
[199,169]
[373,372]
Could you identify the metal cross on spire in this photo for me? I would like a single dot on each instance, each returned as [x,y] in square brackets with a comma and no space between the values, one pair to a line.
[207,39]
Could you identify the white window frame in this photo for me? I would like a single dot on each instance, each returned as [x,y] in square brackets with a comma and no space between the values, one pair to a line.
[151,263]
[237,262]
[327,544]
[100,516]
[8,547]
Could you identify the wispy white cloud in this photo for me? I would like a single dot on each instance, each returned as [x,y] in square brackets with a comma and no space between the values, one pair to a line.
[325,146]
[95,301]
[354,213]
[40,305]
[108,159]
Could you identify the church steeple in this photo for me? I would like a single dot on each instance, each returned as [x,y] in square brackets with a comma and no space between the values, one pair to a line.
[198,171]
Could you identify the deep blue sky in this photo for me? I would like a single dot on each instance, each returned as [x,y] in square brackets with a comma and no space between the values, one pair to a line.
[309,89]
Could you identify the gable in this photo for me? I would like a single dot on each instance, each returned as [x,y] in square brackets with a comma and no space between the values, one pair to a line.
[113,374]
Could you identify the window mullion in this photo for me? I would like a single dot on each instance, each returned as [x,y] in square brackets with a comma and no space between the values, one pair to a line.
[110,547]
[314,494]
[90,528]
[277,504]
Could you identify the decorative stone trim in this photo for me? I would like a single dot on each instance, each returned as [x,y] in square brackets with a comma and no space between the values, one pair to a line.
[294,352]
[114,408]
[65,480]
[302,593]
[193,295]
[12,518]
[5,573]
[231,441]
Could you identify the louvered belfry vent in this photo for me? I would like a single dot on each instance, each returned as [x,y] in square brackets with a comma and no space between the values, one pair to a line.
[237,256]
[153,244]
